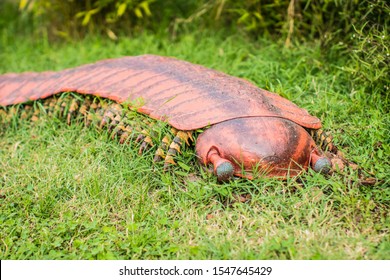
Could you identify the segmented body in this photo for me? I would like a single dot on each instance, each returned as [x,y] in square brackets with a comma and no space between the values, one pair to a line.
[245,127]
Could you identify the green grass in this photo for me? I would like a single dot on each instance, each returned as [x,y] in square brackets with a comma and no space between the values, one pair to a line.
[70,192]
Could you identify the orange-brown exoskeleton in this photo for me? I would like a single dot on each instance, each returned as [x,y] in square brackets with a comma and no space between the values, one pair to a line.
[246,129]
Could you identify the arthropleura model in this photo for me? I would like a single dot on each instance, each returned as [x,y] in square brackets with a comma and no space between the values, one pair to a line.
[246,128]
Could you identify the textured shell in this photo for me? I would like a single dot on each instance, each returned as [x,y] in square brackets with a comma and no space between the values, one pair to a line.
[278,147]
[187,95]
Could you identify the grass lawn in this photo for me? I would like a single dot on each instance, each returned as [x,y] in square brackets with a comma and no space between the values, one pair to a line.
[70,192]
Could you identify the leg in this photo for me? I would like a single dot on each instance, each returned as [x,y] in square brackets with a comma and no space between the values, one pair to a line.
[323,140]
[160,152]
[84,109]
[320,163]
[36,113]
[96,112]
[26,112]
[73,109]
[223,168]
[112,115]
[146,139]
[175,146]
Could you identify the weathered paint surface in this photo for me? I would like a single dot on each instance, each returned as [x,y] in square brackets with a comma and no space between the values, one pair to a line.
[273,146]
[188,96]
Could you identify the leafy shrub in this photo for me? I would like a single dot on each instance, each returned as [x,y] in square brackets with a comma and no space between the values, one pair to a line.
[368,46]
[67,18]
[358,29]
[74,18]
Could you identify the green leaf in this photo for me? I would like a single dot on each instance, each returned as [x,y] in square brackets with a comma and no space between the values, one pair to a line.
[184,166]
[94,11]
[23,4]
[107,229]
[145,7]
[380,153]
[132,227]
[243,18]
[138,12]
[86,19]
[121,9]
[258,15]
[181,173]
[80,14]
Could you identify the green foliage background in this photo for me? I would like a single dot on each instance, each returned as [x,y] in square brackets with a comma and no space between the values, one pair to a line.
[357,29]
